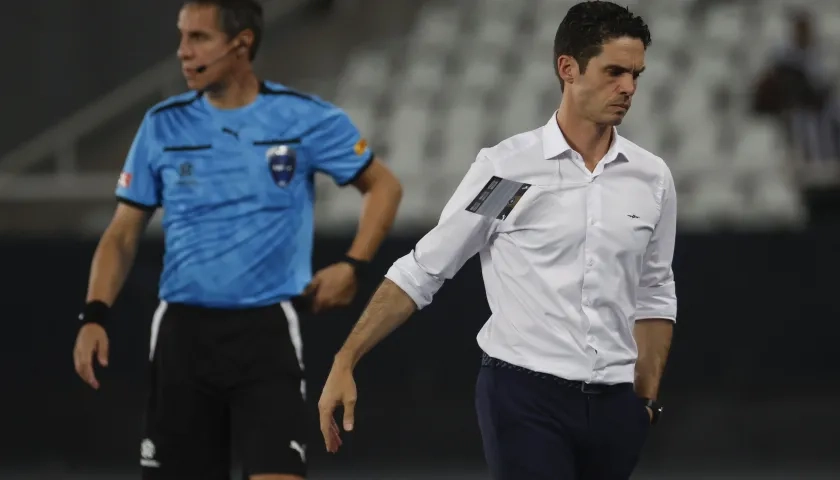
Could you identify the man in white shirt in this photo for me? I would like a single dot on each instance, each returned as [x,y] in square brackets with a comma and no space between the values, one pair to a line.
[575,227]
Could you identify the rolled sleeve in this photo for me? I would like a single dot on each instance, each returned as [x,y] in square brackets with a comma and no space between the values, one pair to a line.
[414,280]
[656,295]
[459,235]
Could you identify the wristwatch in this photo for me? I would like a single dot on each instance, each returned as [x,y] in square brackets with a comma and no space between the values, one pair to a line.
[655,407]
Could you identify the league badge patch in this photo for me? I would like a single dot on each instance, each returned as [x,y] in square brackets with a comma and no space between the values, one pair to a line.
[282,160]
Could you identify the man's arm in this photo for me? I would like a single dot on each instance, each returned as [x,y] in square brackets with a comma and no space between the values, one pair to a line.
[413,280]
[382,193]
[115,253]
[340,151]
[462,231]
[656,300]
[653,338]
[389,307]
[138,193]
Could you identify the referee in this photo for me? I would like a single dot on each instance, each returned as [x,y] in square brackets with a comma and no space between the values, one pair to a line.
[232,165]
[575,226]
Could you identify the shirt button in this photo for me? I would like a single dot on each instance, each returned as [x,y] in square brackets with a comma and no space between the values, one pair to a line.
[590,262]
[592,221]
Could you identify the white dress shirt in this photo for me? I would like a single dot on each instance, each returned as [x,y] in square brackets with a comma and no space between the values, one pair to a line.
[570,258]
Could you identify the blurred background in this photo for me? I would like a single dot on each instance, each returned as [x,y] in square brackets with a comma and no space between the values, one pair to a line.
[739,97]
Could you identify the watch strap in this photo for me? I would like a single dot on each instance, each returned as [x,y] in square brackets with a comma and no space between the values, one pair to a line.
[655,407]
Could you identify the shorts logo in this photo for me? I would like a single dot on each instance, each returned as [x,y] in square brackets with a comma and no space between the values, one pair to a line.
[360,147]
[147,454]
[301,449]
[282,161]
[125,180]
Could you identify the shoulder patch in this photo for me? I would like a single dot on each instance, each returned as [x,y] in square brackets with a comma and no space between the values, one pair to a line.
[498,197]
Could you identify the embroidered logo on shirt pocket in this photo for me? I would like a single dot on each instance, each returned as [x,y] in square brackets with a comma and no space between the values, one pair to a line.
[640,231]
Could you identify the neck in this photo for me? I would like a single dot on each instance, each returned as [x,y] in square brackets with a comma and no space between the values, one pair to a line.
[590,139]
[238,90]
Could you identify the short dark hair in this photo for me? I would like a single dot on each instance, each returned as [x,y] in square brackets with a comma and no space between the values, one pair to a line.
[236,16]
[588,25]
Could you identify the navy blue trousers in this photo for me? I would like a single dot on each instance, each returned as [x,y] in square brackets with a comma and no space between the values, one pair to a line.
[538,427]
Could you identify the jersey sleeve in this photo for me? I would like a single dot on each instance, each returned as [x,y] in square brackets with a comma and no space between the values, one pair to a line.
[461,232]
[138,184]
[338,149]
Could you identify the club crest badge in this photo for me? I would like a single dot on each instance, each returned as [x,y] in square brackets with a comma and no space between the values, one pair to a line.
[282,161]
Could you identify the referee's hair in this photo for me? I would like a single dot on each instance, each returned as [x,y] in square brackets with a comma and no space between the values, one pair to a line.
[236,16]
[588,25]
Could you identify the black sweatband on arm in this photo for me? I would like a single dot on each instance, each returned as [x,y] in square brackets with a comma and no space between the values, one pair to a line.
[95,312]
[360,267]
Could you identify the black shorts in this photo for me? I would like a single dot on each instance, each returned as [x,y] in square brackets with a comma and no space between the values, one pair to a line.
[224,378]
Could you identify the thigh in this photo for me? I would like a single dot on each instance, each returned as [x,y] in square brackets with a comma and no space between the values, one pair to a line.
[269,420]
[186,424]
[522,438]
[619,426]
[268,410]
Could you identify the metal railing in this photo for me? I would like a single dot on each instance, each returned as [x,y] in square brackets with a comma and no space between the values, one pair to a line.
[60,142]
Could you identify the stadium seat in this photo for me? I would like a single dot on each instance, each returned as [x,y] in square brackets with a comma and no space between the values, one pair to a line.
[496,80]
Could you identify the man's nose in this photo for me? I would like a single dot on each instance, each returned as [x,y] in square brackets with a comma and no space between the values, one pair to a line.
[628,84]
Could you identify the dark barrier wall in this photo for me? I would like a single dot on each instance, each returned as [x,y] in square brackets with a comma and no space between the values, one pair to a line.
[753,377]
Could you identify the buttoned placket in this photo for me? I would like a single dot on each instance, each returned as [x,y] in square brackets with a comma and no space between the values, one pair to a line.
[590,280]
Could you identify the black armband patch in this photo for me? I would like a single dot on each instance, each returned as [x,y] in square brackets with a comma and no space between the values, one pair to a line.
[498,197]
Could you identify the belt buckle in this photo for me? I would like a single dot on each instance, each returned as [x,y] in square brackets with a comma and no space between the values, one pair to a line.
[590,389]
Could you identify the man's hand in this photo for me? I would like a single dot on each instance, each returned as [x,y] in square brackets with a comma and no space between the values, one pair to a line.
[91,340]
[333,286]
[340,389]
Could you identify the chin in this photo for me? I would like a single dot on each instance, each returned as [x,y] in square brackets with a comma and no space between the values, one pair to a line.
[194,85]
[614,120]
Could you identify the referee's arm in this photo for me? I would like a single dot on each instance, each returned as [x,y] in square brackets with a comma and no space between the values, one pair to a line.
[115,253]
[656,301]
[138,195]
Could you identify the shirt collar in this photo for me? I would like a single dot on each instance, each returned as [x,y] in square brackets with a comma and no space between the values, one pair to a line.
[555,144]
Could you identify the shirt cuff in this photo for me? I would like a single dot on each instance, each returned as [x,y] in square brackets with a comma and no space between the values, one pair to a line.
[657,302]
[420,286]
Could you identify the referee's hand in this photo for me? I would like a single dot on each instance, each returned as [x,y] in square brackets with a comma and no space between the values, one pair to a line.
[91,340]
[340,389]
[331,287]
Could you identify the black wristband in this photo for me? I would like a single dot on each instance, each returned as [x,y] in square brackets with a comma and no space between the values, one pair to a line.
[95,312]
[360,267]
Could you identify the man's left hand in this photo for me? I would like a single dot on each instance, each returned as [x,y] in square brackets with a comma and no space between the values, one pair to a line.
[331,287]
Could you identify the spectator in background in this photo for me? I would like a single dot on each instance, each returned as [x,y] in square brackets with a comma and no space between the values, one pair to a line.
[796,90]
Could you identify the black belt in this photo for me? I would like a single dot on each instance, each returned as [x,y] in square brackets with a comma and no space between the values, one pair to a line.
[588,388]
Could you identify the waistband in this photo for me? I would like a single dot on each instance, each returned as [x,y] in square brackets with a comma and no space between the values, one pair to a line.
[587,388]
[298,303]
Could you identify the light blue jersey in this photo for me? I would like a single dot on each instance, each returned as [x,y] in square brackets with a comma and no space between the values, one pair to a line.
[237,191]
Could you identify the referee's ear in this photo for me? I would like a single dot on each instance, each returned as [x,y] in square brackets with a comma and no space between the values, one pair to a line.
[244,42]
